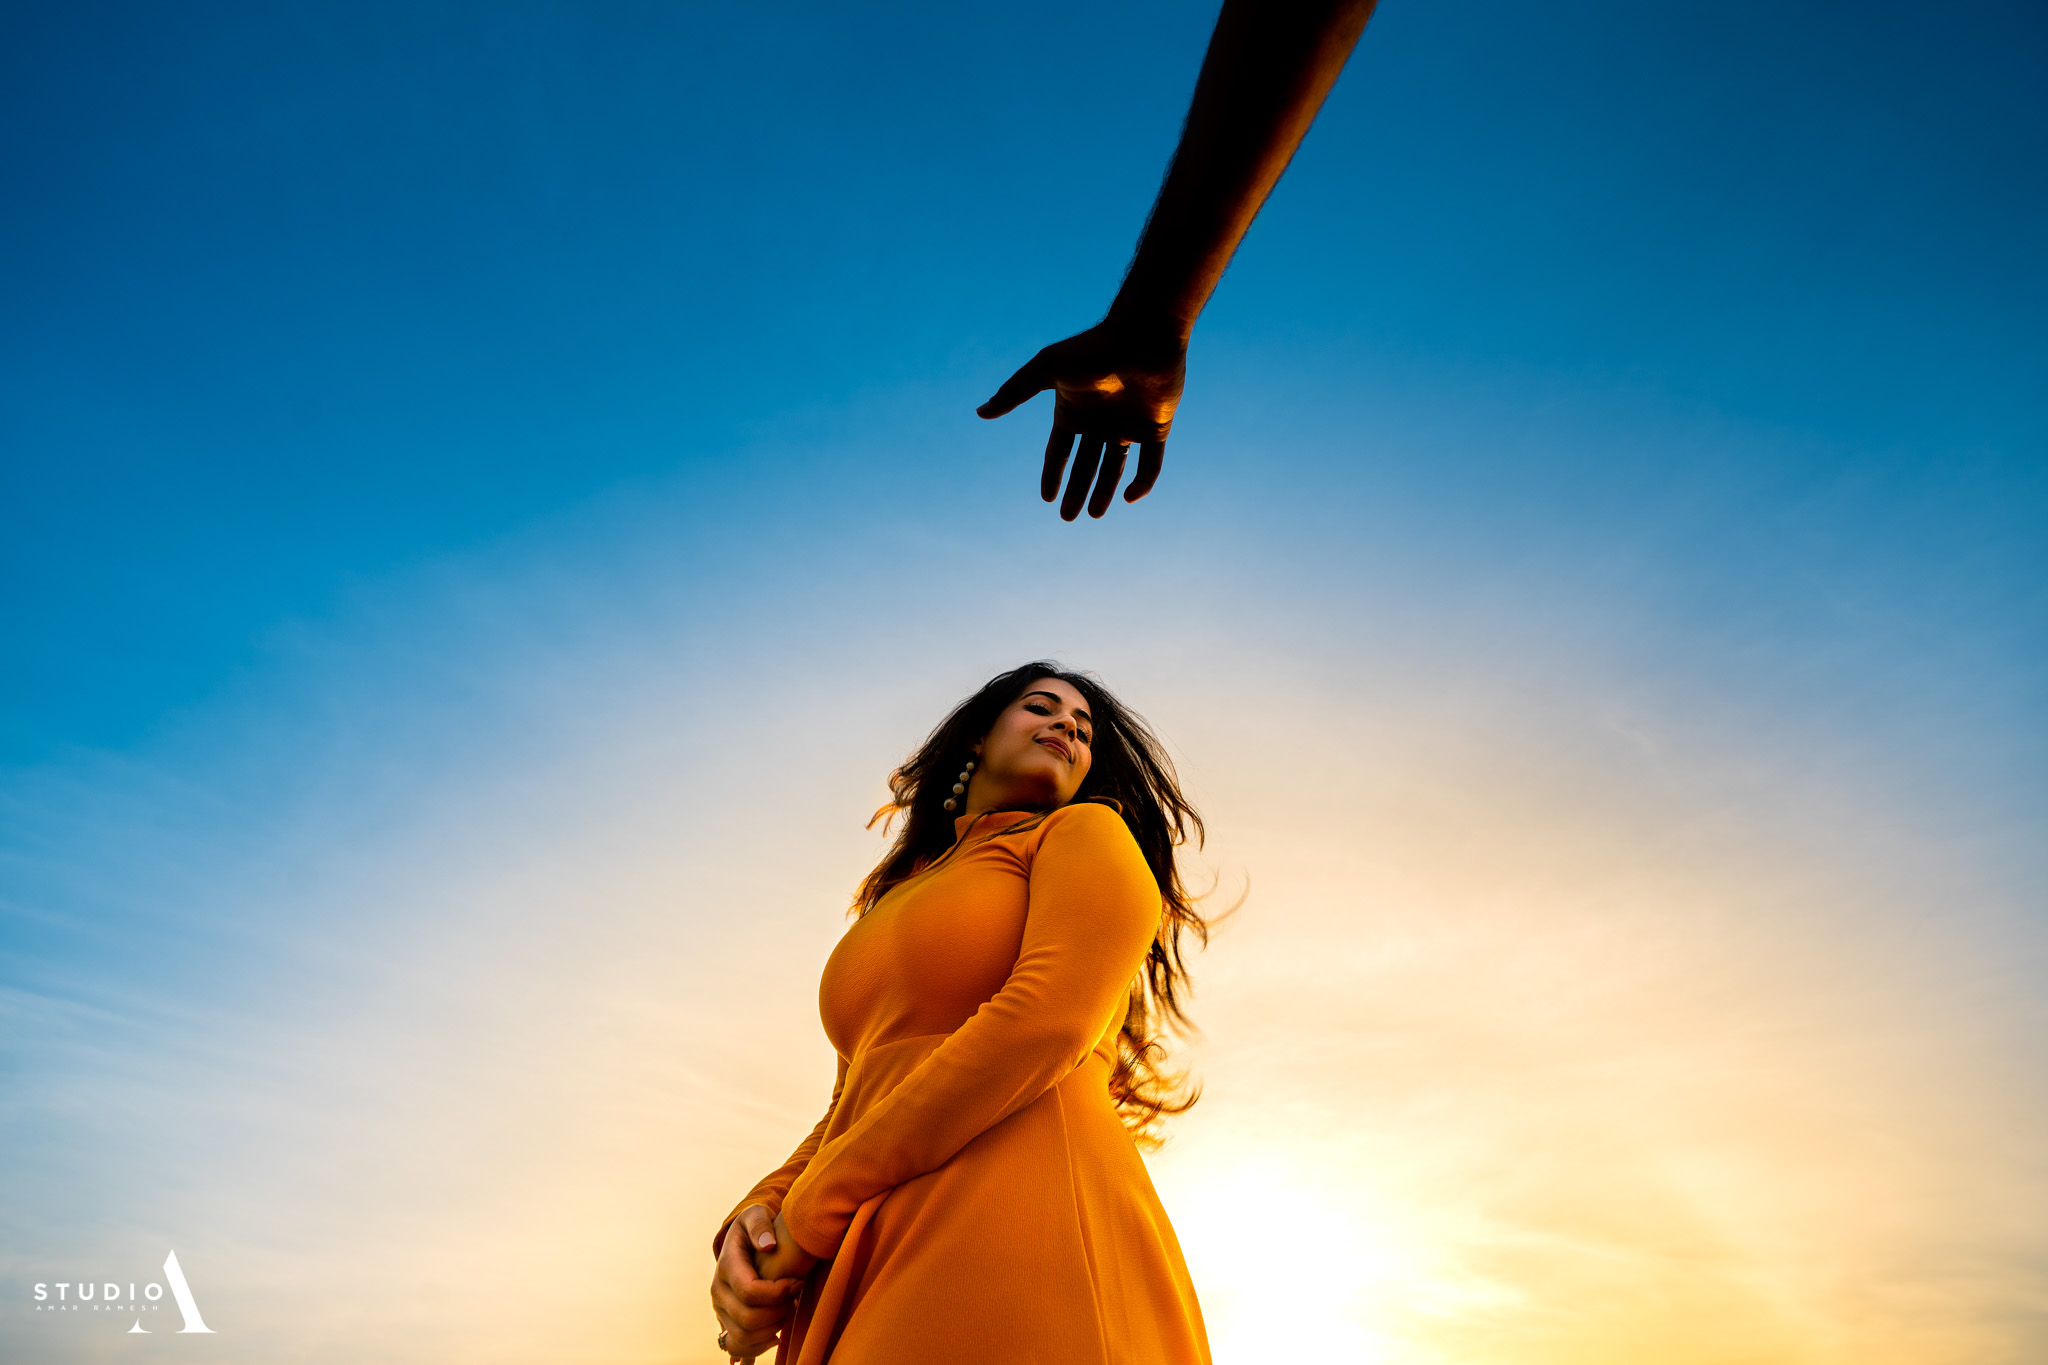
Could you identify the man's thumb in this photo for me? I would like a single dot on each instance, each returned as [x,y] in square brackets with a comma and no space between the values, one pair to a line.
[1024,384]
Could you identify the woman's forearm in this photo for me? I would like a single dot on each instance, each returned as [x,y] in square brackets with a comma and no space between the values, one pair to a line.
[1093,912]
[1269,65]
[775,1185]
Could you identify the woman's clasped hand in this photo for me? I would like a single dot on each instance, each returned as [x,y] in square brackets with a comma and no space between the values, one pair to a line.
[760,1270]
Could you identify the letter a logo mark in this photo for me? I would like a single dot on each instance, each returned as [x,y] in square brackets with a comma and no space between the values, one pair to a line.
[183,1293]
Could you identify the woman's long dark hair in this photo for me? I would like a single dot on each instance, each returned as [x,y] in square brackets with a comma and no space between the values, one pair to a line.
[1130,771]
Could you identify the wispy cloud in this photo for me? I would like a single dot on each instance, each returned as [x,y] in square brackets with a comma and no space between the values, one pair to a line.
[445,980]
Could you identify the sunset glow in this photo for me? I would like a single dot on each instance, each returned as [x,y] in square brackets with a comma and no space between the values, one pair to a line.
[490,500]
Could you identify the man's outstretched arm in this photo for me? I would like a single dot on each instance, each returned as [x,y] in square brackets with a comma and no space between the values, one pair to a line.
[1269,65]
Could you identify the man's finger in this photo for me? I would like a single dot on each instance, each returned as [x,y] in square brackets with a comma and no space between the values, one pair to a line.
[1032,378]
[1105,482]
[1084,474]
[1058,447]
[1151,456]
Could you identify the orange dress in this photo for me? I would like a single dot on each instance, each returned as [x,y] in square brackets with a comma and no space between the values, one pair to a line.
[970,1191]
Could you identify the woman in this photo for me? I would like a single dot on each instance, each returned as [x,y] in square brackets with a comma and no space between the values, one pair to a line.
[974,1191]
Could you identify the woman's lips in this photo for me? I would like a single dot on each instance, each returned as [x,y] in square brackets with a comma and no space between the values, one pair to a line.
[1057,747]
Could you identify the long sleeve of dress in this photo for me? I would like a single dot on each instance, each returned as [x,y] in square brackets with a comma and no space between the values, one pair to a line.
[1093,911]
[774,1186]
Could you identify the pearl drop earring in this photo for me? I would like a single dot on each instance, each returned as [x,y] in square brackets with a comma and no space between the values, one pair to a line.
[960,786]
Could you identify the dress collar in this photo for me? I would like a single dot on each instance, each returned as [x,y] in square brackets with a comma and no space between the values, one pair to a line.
[961,822]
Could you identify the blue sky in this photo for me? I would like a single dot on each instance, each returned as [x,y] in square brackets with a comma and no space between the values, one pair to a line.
[304,295]
[478,479]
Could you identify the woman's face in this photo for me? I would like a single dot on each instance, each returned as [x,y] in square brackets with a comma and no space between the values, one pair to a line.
[1036,754]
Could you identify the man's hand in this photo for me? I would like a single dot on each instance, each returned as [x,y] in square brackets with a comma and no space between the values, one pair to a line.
[751,1308]
[1265,74]
[1113,388]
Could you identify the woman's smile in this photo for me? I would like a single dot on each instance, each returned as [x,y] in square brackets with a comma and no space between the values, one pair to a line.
[1051,717]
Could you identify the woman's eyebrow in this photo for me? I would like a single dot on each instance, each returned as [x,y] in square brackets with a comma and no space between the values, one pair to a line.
[1082,712]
